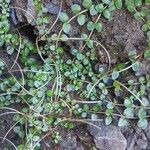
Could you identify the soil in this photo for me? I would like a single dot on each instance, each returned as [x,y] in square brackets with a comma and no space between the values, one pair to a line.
[120,35]
[6,122]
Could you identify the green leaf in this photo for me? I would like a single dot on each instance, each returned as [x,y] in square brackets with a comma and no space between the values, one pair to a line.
[37,84]
[118,4]
[109,112]
[148,35]
[137,16]
[64,37]
[128,102]
[71,125]
[148,21]
[116,85]
[142,123]
[106,1]
[130,5]
[97,107]
[54,37]
[85,61]
[63,17]
[1,42]
[70,87]
[144,12]
[115,75]
[145,101]
[129,112]
[35,138]
[85,107]
[80,56]
[59,50]
[98,27]
[147,1]
[108,120]
[144,27]
[81,19]
[88,87]
[107,14]
[75,8]
[110,105]
[87,3]
[50,120]
[138,3]
[10,50]
[1,63]
[90,43]
[90,25]
[142,113]
[16,129]
[49,93]
[122,122]
[93,11]
[94,117]
[99,8]
[112,8]
[136,66]
[66,27]
[101,85]
[147,54]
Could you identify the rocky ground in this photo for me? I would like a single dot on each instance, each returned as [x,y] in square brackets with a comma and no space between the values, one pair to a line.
[117,33]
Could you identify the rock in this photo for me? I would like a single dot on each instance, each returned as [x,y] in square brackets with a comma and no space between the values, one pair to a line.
[30,14]
[122,34]
[147,131]
[20,9]
[142,143]
[127,31]
[84,135]
[71,2]
[98,67]
[144,68]
[142,140]
[108,137]
[131,141]
[13,16]
[137,148]
[68,141]
[47,144]
[52,8]
[79,147]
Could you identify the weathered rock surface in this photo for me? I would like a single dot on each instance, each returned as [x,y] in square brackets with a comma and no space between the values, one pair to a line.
[121,35]
[69,141]
[20,7]
[30,13]
[139,140]
[108,137]
[144,68]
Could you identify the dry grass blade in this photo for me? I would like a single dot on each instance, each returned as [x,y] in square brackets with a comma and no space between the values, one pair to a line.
[19,49]
[10,143]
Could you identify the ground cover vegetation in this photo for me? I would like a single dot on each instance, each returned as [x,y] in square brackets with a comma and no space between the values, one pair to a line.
[62,86]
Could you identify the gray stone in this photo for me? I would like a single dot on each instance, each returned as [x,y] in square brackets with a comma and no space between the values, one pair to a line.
[131,141]
[107,137]
[20,9]
[142,140]
[142,143]
[52,8]
[79,147]
[147,131]
[144,68]
[136,148]
[68,142]
[30,13]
